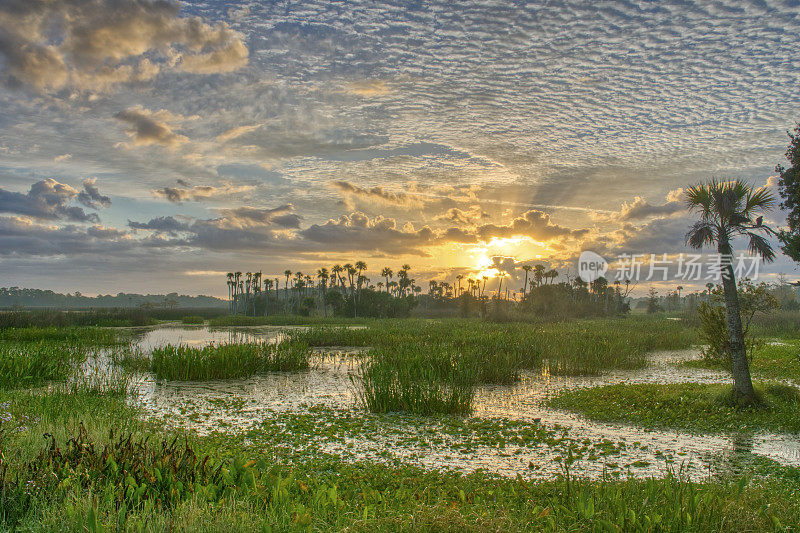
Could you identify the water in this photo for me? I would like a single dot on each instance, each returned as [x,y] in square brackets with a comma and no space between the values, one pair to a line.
[327,395]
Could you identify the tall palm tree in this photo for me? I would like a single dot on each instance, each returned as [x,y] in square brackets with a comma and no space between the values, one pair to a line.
[387,273]
[538,274]
[458,280]
[288,274]
[527,269]
[229,275]
[361,266]
[267,288]
[236,290]
[729,209]
[322,275]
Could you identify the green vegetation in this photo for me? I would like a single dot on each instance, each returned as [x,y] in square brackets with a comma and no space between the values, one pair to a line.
[686,406]
[777,359]
[34,363]
[226,360]
[280,320]
[71,335]
[105,467]
[193,319]
[101,480]
[426,366]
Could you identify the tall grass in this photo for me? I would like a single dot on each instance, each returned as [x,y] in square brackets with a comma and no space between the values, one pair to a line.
[412,381]
[71,335]
[34,363]
[219,361]
[425,366]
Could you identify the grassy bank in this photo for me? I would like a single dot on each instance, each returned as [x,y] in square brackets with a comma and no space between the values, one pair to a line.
[222,361]
[685,406]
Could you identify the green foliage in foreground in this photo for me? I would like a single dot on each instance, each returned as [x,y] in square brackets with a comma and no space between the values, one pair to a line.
[222,361]
[686,406]
[193,319]
[100,482]
[432,366]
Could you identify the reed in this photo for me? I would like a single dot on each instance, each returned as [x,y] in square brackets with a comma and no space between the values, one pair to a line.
[220,361]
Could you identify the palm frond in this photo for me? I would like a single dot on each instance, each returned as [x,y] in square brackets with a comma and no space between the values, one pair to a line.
[761,199]
[698,198]
[760,246]
[701,233]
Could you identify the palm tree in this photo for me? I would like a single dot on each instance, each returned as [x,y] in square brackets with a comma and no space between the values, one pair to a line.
[728,209]
[236,290]
[538,274]
[267,288]
[288,274]
[361,266]
[387,273]
[458,289]
[322,275]
[229,275]
[527,269]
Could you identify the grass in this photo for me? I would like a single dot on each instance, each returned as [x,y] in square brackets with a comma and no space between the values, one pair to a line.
[71,335]
[222,361]
[432,366]
[34,363]
[281,320]
[193,319]
[776,359]
[685,406]
[92,477]
[219,483]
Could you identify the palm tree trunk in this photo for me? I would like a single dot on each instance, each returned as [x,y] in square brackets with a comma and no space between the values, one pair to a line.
[740,368]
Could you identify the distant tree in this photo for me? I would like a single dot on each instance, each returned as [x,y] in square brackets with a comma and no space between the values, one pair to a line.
[789,189]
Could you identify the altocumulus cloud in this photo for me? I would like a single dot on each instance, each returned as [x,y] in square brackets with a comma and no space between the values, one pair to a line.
[95,44]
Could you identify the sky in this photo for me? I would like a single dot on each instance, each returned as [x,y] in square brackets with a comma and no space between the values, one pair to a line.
[154,146]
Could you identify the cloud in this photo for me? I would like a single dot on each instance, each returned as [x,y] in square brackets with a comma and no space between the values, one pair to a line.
[641,209]
[469,216]
[198,192]
[368,88]
[49,199]
[147,128]
[375,194]
[534,224]
[62,157]
[23,237]
[90,195]
[234,133]
[165,224]
[357,231]
[96,44]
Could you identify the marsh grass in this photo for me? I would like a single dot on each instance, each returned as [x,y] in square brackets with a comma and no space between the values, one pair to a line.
[686,406]
[222,361]
[24,364]
[428,366]
[71,335]
[193,319]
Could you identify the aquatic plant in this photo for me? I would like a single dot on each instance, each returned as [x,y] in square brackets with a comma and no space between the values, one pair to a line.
[219,361]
